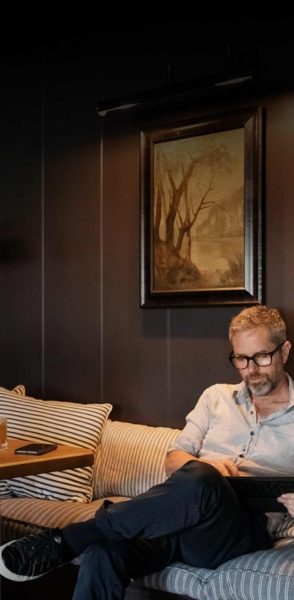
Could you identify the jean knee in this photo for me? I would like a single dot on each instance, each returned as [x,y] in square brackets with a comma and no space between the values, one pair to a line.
[196,471]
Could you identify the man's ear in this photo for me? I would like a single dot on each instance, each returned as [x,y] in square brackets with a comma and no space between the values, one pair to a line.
[286,351]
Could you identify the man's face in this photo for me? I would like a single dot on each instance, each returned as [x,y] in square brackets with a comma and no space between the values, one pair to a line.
[261,381]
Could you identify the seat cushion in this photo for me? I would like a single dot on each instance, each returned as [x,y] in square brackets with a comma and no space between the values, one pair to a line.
[23,516]
[50,513]
[262,575]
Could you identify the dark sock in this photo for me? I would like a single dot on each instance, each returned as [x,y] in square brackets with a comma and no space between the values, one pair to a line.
[66,552]
[78,536]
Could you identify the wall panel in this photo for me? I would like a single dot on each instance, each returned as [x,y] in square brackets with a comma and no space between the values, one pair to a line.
[20,224]
[71,325]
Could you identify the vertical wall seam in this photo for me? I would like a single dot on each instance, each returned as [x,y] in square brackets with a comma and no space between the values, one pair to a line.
[168,363]
[43,350]
[101,289]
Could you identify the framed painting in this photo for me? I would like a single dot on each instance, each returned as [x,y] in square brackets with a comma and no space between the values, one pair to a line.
[202,212]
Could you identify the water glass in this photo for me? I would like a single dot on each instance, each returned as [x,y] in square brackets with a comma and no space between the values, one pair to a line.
[3,432]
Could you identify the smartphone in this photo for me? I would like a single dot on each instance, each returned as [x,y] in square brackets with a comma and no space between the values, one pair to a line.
[35,448]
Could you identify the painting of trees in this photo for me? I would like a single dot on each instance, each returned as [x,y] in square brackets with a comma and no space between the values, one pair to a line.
[202,211]
[198,212]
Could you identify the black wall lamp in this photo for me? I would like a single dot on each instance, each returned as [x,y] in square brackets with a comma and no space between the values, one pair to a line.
[204,85]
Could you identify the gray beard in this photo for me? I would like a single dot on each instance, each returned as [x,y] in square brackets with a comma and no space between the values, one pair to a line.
[261,389]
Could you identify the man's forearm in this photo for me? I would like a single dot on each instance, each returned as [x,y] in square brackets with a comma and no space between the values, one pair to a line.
[176,459]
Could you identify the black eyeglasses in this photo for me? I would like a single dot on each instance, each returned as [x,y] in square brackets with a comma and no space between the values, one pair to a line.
[261,359]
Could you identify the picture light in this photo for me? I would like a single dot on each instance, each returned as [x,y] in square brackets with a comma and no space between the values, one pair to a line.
[224,80]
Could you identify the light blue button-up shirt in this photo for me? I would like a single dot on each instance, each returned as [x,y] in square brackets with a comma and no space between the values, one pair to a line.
[224,423]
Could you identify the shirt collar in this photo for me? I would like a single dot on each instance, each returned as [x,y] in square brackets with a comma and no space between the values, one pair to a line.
[241,394]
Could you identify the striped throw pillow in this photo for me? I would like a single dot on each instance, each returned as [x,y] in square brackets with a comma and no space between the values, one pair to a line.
[67,423]
[131,458]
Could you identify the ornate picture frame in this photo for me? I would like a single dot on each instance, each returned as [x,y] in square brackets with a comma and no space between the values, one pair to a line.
[202,211]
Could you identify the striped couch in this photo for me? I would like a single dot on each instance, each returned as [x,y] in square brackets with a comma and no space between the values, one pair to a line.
[129,460]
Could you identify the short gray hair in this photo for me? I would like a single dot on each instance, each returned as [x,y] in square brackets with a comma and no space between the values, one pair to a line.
[257,316]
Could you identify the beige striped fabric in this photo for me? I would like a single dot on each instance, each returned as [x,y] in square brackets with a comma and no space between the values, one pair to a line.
[262,575]
[69,423]
[49,513]
[285,529]
[20,390]
[130,458]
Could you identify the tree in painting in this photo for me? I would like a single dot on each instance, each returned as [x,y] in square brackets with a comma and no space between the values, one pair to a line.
[198,222]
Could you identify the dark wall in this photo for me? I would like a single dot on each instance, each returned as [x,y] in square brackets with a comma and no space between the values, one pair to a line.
[71,326]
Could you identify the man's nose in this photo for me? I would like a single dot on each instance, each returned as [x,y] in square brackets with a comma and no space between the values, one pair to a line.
[252,366]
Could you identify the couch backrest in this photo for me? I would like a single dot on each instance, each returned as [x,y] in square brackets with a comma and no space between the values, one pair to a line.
[130,458]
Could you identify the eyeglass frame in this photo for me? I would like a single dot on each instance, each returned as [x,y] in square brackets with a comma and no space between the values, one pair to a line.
[253,357]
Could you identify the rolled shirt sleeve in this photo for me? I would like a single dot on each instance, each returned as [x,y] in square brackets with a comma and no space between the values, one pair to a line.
[191,437]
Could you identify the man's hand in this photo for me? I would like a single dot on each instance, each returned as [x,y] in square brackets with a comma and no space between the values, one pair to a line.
[177,458]
[288,501]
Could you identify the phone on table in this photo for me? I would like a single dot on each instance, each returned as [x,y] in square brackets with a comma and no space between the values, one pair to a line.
[35,448]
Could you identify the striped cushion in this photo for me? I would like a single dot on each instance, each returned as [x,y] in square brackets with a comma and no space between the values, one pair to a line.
[263,575]
[23,516]
[20,390]
[131,458]
[54,421]
[49,513]
[285,528]
[178,578]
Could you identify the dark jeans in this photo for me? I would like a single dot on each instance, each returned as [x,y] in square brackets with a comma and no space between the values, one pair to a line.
[193,517]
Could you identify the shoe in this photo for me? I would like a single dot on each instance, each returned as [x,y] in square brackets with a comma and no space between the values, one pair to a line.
[33,556]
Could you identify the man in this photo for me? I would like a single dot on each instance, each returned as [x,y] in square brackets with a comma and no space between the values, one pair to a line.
[194,516]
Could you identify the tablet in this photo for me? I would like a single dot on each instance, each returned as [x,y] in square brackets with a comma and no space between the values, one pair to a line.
[262,492]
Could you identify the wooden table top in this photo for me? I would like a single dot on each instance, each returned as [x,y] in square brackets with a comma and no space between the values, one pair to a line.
[19,465]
